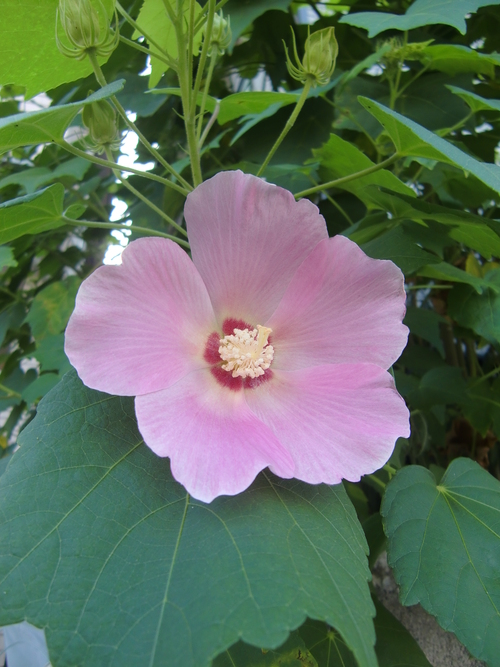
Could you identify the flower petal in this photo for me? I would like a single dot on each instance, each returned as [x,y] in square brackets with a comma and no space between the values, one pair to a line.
[216,444]
[140,326]
[337,421]
[340,307]
[248,237]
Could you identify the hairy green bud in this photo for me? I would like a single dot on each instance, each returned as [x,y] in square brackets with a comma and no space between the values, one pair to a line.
[100,120]
[84,29]
[318,63]
[221,36]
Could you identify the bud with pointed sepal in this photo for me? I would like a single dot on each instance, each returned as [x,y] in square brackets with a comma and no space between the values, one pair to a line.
[318,63]
[85,29]
[100,120]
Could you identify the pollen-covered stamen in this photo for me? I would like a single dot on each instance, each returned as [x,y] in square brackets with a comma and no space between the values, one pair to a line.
[246,352]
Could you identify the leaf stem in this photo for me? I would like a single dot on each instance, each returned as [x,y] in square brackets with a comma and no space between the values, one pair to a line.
[377,481]
[289,124]
[143,49]
[130,228]
[351,177]
[9,392]
[102,82]
[104,163]
[149,39]
[144,199]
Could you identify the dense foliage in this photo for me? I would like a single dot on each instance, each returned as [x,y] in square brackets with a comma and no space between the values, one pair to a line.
[397,145]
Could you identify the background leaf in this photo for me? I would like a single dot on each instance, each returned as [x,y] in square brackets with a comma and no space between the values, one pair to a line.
[444,547]
[420,13]
[32,214]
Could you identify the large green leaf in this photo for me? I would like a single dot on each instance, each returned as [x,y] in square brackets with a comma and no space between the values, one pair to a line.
[340,158]
[34,177]
[416,141]
[420,13]
[130,570]
[444,548]
[32,214]
[39,127]
[28,52]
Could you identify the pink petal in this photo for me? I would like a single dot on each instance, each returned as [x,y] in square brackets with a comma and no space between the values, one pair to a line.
[140,326]
[215,443]
[337,422]
[247,239]
[340,307]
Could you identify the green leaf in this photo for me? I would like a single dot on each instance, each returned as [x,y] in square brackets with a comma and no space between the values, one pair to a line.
[481,313]
[28,28]
[425,323]
[244,12]
[395,646]
[420,13]
[474,230]
[453,59]
[34,177]
[293,653]
[445,271]
[340,158]
[397,246]
[476,102]
[444,548]
[50,353]
[129,569]
[39,387]
[416,141]
[242,104]
[51,308]
[6,258]
[32,214]
[154,20]
[41,127]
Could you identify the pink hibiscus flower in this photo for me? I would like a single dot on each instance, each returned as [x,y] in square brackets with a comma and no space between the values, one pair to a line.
[269,348]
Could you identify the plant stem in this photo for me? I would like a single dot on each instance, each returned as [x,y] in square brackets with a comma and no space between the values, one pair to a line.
[104,163]
[389,469]
[429,286]
[377,481]
[150,41]
[143,49]
[449,130]
[188,105]
[9,392]
[144,199]
[102,82]
[289,124]
[345,179]
[485,377]
[211,66]
[130,228]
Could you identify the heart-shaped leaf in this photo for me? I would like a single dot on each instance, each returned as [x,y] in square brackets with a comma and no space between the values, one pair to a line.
[444,547]
[102,548]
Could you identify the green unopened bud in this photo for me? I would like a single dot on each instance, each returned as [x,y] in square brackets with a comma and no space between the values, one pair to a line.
[318,63]
[84,29]
[221,37]
[100,120]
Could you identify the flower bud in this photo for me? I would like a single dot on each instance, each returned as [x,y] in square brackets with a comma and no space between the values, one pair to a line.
[318,64]
[221,36]
[84,29]
[100,120]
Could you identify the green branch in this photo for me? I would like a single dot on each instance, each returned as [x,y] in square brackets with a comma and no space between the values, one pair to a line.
[345,179]
[130,228]
[289,124]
